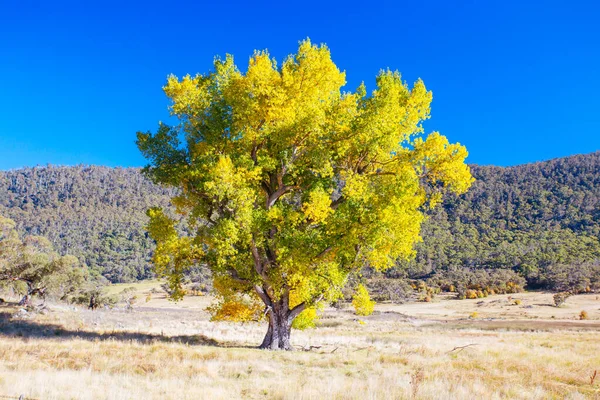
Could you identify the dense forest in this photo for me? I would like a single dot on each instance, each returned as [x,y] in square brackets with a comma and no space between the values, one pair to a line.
[540,222]
[97,214]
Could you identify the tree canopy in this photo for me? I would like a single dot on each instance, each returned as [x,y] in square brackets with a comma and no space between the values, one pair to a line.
[290,184]
[32,263]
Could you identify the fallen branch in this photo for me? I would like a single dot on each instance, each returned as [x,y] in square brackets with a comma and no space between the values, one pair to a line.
[309,348]
[593,377]
[461,348]
[362,348]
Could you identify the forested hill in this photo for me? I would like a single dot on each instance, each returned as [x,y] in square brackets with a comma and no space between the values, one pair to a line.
[95,213]
[534,219]
[541,220]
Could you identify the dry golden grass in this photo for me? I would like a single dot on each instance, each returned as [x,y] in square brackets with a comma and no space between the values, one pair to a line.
[424,351]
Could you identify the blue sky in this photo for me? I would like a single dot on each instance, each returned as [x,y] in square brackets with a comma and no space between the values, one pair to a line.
[515,81]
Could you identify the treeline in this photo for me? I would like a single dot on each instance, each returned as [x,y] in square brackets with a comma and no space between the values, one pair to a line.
[536,225]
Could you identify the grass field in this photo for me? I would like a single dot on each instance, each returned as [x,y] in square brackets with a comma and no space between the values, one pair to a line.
[488,348]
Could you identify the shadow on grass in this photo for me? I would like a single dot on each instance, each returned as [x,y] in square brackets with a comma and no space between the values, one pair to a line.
[12,326]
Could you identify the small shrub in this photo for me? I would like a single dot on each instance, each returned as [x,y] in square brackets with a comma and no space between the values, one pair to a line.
[474,315]
[583,315]
[560,298]
[363,305]
[517,302]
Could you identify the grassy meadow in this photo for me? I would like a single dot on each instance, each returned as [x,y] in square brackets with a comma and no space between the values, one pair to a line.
[488,348]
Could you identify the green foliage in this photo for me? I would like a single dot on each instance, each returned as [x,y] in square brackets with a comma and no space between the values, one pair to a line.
[97,214]
[31,264]
[362,303]
[540,220]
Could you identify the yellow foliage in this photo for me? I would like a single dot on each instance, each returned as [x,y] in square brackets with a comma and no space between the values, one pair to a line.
[318,207]
[236,310]
[306,319]
[583,315]
[290,184]
[363,305]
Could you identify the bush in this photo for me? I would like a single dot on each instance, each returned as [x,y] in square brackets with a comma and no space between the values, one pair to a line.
[363,305]
[574,278]
[477,283]
[394,290]
[560,298]
[583,315]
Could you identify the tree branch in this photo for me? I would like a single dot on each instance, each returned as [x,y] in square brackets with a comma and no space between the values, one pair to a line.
[263,295]
[293,313]
[256,257]
[278,193]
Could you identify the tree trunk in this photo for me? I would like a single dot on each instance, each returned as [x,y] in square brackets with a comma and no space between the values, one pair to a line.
[280,327]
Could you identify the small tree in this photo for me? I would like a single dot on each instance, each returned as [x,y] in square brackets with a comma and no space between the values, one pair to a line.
[363,305]
[289,184]
[33,263]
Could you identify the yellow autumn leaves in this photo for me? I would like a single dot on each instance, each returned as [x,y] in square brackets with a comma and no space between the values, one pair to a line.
[291,184]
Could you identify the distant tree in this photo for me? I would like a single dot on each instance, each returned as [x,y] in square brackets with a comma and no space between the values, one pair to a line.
[363,305]
[290,184]
[32,263]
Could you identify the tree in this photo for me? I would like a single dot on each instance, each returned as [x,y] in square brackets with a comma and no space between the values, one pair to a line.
[288,184]
[32,263]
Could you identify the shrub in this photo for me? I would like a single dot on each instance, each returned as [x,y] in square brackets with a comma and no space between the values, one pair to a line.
[394,290]
[517,302]
[481,282]
[560,298]
[363,305]
[574,278]
[583,315]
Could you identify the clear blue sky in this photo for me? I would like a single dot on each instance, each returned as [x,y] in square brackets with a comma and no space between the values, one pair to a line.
[515,81]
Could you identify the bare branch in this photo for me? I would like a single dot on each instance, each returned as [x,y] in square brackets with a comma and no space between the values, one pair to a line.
[461,348]
[278,193]
[263,296]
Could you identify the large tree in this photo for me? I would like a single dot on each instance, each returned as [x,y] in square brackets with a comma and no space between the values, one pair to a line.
[288,184]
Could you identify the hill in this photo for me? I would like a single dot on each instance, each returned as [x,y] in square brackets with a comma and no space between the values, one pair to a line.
[541,220]
[94,213]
